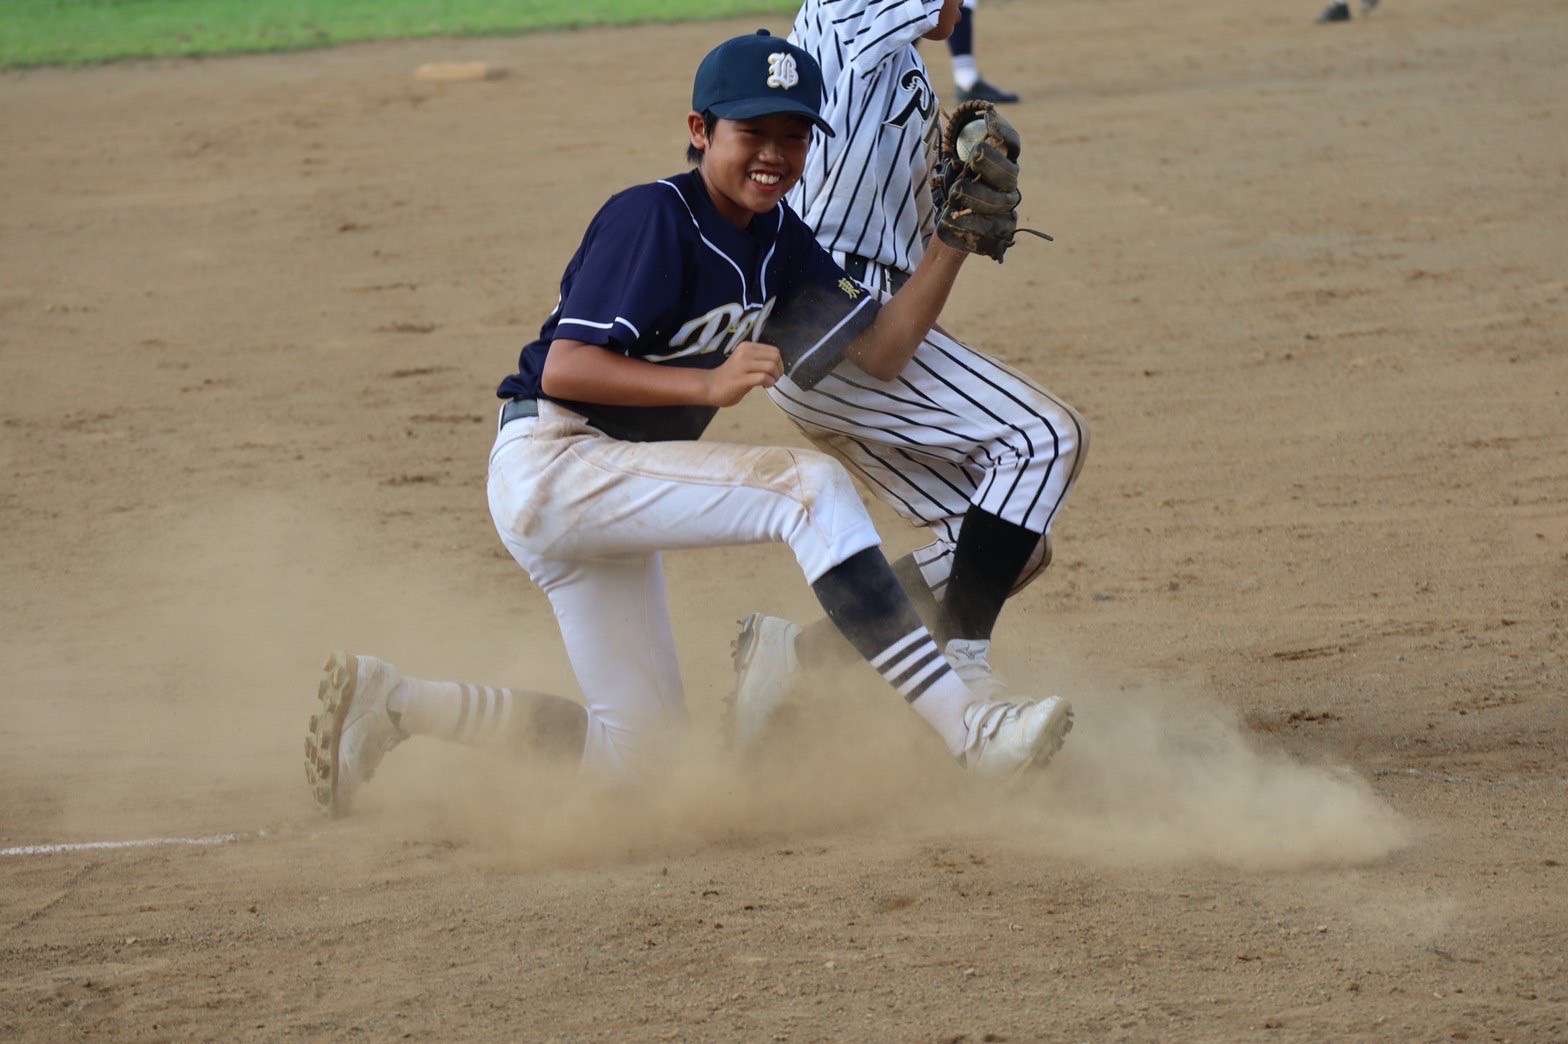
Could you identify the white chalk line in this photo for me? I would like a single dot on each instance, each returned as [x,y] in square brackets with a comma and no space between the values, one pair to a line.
[146,842]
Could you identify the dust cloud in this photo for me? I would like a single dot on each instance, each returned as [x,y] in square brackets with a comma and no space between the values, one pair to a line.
[1146,778]
[202,706]
[1151,777]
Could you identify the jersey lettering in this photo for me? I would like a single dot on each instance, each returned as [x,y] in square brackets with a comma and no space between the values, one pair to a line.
[922,99]
[719,329]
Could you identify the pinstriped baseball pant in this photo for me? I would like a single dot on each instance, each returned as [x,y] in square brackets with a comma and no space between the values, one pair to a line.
[956,428]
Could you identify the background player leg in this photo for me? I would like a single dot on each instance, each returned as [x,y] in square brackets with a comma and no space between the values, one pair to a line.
[1019,450]
[991,556]
[966,72]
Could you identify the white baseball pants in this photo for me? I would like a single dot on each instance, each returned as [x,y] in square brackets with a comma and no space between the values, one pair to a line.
[587,515]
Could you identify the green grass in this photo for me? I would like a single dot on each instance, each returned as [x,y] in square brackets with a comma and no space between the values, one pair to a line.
[73,32]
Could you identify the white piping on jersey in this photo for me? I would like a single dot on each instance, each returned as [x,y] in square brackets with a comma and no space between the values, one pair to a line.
[636,335]
[822,342]
[762,274]
[745,300]
[555,314]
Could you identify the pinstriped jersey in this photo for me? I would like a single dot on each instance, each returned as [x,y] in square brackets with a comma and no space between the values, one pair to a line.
[865,191]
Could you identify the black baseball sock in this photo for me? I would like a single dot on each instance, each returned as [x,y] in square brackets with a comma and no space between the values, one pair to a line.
[862,596]
[822,644]
[990,556]
[865,602]
[914,584]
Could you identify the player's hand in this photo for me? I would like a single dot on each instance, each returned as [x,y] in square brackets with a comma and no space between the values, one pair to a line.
[751,365]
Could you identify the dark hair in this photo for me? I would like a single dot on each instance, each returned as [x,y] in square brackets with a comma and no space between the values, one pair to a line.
[693,153]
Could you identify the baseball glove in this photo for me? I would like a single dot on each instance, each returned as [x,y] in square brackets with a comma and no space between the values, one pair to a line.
[975,181]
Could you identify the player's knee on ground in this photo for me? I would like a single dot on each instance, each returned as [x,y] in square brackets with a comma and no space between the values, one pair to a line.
[546,727]
[617,754]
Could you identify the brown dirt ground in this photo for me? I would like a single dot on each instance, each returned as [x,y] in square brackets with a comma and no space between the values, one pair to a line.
[1309,285]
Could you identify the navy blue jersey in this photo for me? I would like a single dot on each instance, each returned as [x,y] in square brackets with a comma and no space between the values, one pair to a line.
[662,276]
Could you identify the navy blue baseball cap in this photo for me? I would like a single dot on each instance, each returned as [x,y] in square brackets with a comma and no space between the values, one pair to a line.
[759,75]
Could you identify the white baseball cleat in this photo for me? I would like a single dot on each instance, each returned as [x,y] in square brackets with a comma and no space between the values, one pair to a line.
[1005,739]
[765,669]
[970,659]
[352,731]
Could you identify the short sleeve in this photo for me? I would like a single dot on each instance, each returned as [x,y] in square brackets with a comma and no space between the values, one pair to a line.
[626,279]
[884,28]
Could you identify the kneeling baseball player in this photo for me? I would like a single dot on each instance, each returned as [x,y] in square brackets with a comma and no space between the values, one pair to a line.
[685,294]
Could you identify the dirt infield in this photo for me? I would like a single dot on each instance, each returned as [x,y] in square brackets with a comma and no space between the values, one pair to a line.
[1309,286]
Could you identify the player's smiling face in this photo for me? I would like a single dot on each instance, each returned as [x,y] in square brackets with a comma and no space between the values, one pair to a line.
[748,165]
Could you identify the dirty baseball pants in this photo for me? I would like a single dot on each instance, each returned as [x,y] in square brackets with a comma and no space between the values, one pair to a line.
[587,515]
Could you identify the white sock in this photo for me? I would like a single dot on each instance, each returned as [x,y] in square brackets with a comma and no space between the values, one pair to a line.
[965,71]
[476,715]
[916,668]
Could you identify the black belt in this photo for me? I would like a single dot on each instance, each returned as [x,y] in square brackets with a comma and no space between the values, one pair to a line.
[518,408]
[892,278]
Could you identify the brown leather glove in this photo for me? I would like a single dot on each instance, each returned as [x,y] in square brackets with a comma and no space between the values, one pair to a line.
[975,181]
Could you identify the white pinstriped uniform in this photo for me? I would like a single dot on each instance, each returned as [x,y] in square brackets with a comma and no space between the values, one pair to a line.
[864,190]
[957,427]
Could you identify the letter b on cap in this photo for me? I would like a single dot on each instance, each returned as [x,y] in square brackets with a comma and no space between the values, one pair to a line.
[782,71]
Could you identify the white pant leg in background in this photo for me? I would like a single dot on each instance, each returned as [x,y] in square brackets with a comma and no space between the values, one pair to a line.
[587,515]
